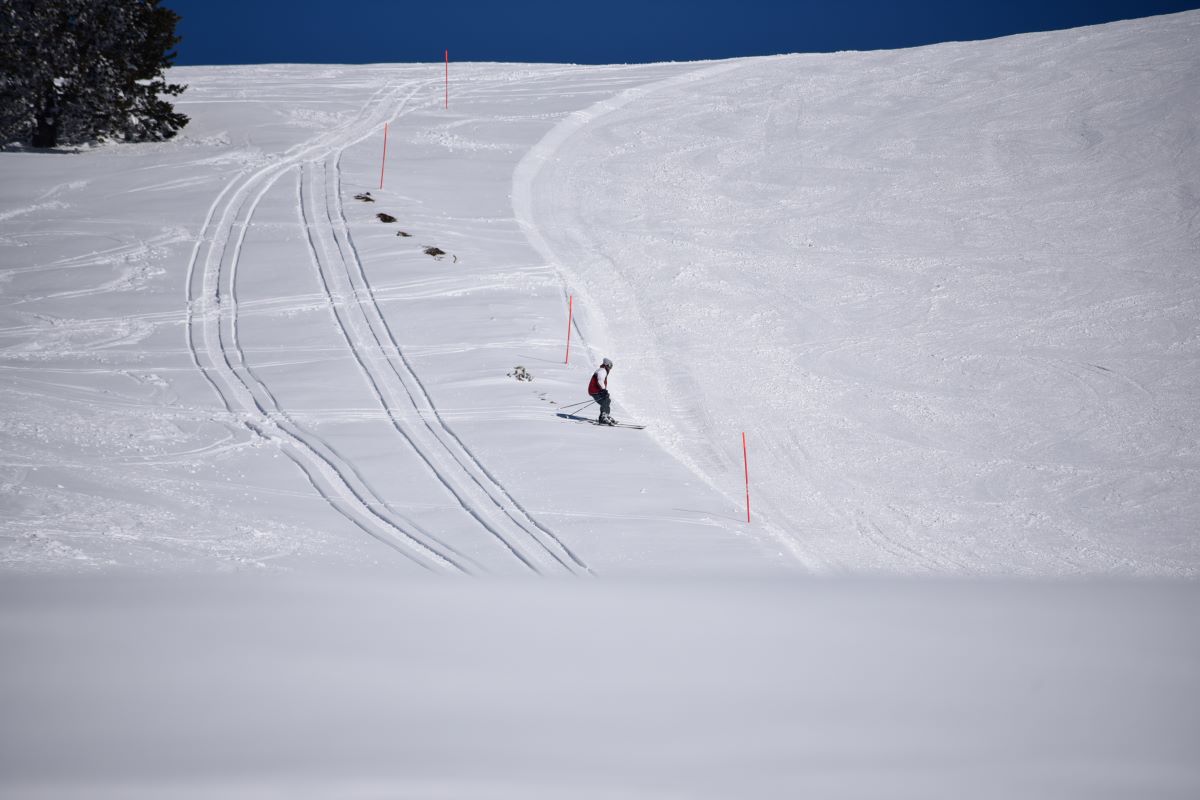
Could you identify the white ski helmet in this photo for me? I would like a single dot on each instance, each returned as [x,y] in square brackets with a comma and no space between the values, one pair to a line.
[606,363]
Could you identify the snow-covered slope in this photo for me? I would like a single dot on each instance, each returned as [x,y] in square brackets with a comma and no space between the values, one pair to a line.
[951,293]
[216,355]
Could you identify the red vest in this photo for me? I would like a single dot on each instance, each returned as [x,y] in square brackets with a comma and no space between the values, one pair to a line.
[594,386]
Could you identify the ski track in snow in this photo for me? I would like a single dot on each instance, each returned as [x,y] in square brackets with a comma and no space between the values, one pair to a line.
[153,414]
[328,392]
[951,289]
[401,396]
[399,391]
[464,463]
[547,152]
[918,397]
[212,335]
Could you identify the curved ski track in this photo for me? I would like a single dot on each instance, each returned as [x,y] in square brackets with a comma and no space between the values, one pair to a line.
[212,334]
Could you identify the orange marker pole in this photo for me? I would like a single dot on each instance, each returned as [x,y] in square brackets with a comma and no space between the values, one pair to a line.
[383,165]
[746,462]
[570,317]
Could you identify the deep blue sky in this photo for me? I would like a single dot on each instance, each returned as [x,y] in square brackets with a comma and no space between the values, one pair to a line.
[607,31]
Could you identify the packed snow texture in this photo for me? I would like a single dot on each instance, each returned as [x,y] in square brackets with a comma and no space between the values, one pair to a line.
[949,294]
[217,356]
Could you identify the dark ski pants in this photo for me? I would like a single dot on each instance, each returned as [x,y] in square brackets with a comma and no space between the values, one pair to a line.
[603,399]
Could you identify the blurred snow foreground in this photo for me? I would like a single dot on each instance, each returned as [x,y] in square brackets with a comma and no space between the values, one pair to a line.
[773,688]
[950,294]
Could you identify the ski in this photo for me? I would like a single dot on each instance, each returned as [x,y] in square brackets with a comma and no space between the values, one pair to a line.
[590,421]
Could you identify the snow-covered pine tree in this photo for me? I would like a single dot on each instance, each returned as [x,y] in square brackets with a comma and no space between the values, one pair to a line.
[150,117]
[26,75]
[74,71]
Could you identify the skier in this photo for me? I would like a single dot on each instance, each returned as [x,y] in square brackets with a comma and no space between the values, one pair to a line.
[598,389]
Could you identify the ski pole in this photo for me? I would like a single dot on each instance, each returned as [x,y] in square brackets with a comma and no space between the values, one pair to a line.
[577,405]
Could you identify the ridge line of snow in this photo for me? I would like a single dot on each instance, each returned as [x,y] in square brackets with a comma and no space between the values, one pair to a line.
[532,162]
[526,173]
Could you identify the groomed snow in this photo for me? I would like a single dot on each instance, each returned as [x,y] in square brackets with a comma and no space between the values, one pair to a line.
[950,294]
[217,356]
